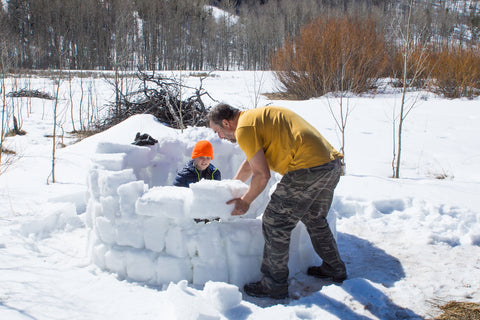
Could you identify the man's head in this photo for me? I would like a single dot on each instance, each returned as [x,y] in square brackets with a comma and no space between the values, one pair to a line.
[223,120]
[202,154]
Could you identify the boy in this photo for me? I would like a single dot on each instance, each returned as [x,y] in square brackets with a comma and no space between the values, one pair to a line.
[199,167]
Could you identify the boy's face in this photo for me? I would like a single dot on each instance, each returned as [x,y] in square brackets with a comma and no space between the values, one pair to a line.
[201,163]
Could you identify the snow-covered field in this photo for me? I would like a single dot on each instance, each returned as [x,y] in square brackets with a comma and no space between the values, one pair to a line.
[410,244]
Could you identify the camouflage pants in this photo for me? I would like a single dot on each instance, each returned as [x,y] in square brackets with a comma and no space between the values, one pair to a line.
[301,195]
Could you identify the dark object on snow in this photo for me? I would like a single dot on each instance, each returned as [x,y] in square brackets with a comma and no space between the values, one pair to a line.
[30,94]
[206,220]
[324,271]
[144,140]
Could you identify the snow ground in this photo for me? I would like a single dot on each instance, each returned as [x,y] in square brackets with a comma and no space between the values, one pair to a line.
[410,244]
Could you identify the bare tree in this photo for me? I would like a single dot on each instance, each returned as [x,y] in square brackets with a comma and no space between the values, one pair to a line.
[413,68]
[341,117]
[3,97]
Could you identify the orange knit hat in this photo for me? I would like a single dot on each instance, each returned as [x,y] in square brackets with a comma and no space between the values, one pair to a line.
[203,148]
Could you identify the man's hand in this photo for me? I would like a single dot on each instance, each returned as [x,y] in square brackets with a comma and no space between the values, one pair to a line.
[241,206]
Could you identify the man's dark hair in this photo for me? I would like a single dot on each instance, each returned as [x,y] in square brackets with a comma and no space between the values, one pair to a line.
[222,111]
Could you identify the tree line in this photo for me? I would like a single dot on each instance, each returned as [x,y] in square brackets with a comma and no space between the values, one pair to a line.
[191,35]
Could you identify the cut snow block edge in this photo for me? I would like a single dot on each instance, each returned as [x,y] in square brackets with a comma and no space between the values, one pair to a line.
[166,201]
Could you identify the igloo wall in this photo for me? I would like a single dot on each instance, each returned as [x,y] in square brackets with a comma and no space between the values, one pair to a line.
[143,229]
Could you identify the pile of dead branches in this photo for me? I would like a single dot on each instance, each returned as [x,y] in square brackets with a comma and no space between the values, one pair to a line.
[168,99]
[24,93]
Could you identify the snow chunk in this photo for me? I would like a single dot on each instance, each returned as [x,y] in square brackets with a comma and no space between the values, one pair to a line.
[222,296]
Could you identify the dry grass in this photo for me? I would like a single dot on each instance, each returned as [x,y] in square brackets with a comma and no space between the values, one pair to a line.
[82,134]
[280,96]
[454,310]
[8,151]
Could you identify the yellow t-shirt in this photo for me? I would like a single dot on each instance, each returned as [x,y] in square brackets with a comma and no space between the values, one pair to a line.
[288,141]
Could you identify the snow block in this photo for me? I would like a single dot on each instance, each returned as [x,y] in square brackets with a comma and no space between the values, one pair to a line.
[94,210]
[164,201]
[155,231]
[110,161]
[110,207]
[105,230]
[301,250]
[140,156]
[243,269]
[222,296]
[92,183]
[208,253]
[205,270]
[128,195]
[140,265]
[115,261]
[112,147]
[98,255]
[214,194]
[130,233]
[109,181]
[175,244]
[243,237]
[171,269]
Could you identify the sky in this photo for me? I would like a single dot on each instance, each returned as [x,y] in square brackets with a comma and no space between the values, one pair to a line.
[112,239]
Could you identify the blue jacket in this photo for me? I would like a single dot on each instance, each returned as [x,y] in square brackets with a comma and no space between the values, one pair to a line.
[190,174]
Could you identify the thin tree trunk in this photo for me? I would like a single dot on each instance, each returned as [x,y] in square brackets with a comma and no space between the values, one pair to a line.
[402,107]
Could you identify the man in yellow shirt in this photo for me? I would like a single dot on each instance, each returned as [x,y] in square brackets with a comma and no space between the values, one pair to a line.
[275,138]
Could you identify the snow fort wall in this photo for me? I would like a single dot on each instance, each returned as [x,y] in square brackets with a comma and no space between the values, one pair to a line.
[143,228]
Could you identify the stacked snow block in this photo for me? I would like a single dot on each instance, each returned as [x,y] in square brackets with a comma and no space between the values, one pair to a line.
[144,229]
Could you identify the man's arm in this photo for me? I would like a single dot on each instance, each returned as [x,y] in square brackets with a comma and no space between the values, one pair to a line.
[244,172]
[260,176]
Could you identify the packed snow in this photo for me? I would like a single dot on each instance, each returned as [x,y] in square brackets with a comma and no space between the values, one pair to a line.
[112,239]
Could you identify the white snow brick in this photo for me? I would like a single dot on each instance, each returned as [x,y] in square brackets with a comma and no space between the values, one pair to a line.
[136,157]
[215,269]
[109,181]
[130,233]
[222,296]
[112,147]
[155,230]
[244,249]
[175,244]
[94,209]
[140,265]
[129,193]
[105,230]
[205,241]
[243,269]
[166,201]
[208,253]
[169,158]
[171,269]
[110,207]
[243,236]
[115,261]
[332,222]
[98,255]
[214,194]
[302,255]
[92,183]
[140,156]
[110,161]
